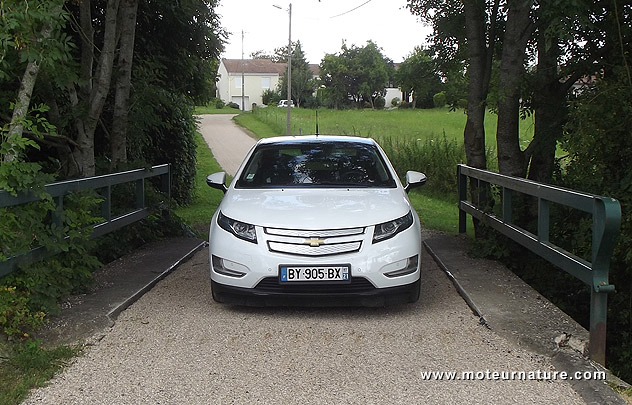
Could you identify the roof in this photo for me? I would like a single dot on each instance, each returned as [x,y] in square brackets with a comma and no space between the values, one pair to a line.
[262,66]
[254,66]
[293,139]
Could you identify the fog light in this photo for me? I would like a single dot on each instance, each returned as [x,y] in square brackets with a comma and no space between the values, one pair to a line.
[411,267]
[220,268]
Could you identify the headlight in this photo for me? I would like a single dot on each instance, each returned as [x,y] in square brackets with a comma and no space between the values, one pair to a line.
[391,228]
[239,229]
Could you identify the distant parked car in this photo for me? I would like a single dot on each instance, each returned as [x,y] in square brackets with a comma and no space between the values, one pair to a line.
[322,220]
[283,103]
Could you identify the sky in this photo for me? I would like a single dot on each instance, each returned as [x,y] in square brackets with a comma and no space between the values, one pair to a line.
[321,26]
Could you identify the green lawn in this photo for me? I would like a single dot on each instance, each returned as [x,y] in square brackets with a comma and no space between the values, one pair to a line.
[198,214]
[405,123]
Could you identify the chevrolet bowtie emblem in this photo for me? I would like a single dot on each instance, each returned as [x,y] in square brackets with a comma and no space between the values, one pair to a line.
[314,242]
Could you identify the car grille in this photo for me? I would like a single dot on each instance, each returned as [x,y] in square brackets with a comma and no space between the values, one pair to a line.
[315,243]
[357,285]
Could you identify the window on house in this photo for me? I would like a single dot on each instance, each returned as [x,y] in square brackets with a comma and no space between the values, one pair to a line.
[265,83]
[238,82]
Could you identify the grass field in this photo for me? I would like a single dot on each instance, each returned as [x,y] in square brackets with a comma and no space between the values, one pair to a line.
[401,124]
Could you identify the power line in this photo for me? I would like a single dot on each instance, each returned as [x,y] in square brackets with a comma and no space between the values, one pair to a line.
[353,9]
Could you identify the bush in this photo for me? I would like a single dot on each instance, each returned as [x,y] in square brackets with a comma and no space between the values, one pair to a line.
[219,104]
[162,131]
[270,97]
[395,101]
[436,158]
[404,105]
[439,99]
[234,105]
[379,102]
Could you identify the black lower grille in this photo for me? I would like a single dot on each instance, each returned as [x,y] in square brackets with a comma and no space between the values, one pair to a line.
[357,285]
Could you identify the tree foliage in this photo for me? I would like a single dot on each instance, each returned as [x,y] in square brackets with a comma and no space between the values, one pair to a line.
[303,83]
[418,74]
[356,75]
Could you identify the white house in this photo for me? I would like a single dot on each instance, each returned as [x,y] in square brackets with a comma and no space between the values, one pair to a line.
[259,75]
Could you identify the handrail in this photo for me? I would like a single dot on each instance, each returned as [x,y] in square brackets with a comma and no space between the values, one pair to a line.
[606,214]
[103,183]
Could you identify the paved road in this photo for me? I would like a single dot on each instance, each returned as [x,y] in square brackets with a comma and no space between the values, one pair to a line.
[229,142]
[175,345]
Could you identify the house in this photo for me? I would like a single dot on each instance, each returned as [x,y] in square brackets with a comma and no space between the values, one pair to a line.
[259,75]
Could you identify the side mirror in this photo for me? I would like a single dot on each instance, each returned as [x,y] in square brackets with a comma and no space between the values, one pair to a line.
[414,179]
[217,180]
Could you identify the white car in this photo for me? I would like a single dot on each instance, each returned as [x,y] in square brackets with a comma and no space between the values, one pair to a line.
[283,104]
[315,220]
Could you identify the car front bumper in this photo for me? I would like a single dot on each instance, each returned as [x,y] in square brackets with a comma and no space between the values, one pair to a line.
[375,297]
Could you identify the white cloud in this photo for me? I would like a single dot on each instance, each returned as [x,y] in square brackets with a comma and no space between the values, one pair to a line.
[320,26]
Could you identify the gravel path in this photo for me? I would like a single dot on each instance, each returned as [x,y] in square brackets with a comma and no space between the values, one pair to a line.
[176,346]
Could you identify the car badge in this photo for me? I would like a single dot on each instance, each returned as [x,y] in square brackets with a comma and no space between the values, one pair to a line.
[314,242]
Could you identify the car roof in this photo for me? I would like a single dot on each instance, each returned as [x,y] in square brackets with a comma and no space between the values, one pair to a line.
[300,139]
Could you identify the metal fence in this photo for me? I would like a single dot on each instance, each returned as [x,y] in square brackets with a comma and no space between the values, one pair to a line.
[103,185]
[606,216]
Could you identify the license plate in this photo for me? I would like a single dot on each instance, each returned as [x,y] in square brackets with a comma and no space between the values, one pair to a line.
[289,274]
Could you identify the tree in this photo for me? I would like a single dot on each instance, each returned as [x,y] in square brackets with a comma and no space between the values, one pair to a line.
[28,30]
[359,74]
[417,74]
[103,69]
[303,84]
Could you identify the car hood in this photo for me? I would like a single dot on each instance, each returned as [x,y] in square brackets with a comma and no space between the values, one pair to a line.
[315,208]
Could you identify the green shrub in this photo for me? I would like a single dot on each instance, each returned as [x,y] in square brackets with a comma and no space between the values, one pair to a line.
[162,131]
[219,104]
[439,99]
[436,158]
[234,105]
[270,97]
[379,102]
[395,101]
[405,105]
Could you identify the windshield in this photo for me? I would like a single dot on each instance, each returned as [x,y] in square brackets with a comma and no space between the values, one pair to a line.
[336,164]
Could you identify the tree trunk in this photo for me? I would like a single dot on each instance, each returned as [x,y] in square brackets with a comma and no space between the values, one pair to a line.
[84,154]
[550,113]
[21,108]
[478,83]
[127,26]
[479,73]
[517,33]
[23,101]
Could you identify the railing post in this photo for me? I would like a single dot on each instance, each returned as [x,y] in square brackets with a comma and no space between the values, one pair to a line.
[597,336]
[606,224]
[543,220]
[507,206]
[462,184]
[106,205]
[140,193]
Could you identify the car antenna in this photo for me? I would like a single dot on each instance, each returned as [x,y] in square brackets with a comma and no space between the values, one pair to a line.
[316,122]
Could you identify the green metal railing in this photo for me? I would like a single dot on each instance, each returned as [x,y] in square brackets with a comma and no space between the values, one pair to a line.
[103,185]
[606,215]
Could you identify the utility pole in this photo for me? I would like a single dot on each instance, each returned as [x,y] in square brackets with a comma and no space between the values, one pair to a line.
[243,105]
[289,70]
[289,73]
